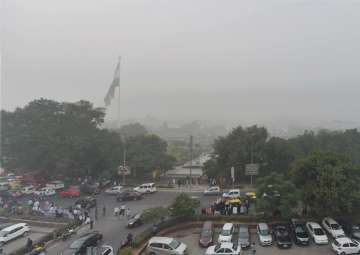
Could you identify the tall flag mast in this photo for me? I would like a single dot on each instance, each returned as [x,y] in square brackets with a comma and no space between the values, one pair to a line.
[111,92]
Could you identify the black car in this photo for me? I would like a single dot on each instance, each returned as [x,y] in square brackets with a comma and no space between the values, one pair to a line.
[135,221]
[86,202]
[352,230]
[129,196]
[299,233]
[90,189]
[79,246]
[282,236]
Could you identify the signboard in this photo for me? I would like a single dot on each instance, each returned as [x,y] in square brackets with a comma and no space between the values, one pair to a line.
[123,170]
[251,169]
[232,173]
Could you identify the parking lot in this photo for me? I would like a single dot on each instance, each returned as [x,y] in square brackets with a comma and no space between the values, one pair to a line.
[191,238]
[35,234]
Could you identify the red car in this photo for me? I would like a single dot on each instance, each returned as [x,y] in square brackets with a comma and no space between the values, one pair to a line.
[70,192]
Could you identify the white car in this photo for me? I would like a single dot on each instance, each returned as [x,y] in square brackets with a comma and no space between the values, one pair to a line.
[317,233]
[227,232]
[14,231]
[45,192]
[115,190]
[233,193]
[333,228]
[264,234]
[165,245]
[212,191]
[146,188]
[55,185]
[345,245]
[224,248]
[28,190]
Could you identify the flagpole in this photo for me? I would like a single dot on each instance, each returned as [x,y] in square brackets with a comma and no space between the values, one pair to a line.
[119,59]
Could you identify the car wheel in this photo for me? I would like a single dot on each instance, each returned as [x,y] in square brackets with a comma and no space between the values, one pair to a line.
[343,253]
[152,253]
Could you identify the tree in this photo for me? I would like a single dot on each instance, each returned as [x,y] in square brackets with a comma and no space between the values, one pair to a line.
[131,130]
[329,183]
[58,139]
[277,195]
[239,148]
[183,206]
[146,153]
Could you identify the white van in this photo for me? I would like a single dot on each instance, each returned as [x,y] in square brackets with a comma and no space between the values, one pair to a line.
[146,188]
[44,192]
[28,190]
[55,185]
[14,231]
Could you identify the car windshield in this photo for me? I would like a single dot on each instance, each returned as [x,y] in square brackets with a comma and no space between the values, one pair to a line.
[3,233]
[206,233]
[264,232]
[174,244]
[318,231]
[300,232]
[77,244]
[335,226]
[243,234]
[226,232]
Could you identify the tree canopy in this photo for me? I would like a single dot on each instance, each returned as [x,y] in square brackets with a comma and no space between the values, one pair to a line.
[131,130]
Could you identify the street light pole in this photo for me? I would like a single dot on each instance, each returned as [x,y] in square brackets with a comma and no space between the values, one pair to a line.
[191,159]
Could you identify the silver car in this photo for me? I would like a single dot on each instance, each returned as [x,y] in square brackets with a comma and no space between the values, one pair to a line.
[165,246]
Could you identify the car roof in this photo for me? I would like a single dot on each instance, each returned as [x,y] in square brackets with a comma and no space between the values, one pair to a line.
[228,225]
[161,239]
[234,190]
[314,224]
[330,220]
[150,183]
[342,240]
[14,226]
[226,245]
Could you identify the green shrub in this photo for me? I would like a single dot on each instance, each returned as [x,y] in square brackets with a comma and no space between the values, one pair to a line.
[152,214]
[183,206]
[125,251]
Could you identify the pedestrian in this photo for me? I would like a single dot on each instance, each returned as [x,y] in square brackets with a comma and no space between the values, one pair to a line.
[96,213]
[122,210]
[104,211]
[253,249]
[91,224]
[116,211]
[128,213]
[29,244]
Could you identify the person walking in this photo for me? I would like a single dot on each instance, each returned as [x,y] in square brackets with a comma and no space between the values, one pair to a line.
[91,224]
[122,210]
[96,213]
[29,244]
[128,213]
[253,249]
[104,211]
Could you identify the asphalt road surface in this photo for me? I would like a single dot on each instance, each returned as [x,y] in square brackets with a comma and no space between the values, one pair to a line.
[113,229]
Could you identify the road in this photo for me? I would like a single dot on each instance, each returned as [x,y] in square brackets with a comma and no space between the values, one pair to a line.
[113,229]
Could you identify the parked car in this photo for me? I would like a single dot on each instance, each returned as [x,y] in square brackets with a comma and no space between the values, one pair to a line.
[352,230]
[233,193]
[299,233]
[264,234]
[28,190]
[332,227]
[4,186]
[129,196]
[282,236]
[135,221]
[80,245]
[212,191]
[146,188]
[70,192]
[55,185]
[223,248]
[226,233]
[244,237]
[14,231]
[207,234]
[15,193]
[89,188]
[345,245]
[317,233]
[5,225]
[45,192]
[86,202]
[115,190]
[164,246]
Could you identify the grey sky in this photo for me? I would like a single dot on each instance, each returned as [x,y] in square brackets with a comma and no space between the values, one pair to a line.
[243,60]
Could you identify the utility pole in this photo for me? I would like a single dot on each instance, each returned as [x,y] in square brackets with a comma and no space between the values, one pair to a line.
[191,159]
[124,162]
[119,59]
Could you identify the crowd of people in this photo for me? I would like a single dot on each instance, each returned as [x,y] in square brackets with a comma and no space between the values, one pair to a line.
[228,207]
